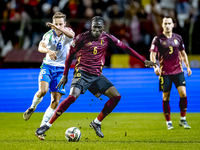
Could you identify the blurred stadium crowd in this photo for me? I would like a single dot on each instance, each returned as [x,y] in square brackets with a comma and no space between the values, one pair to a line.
[135,22]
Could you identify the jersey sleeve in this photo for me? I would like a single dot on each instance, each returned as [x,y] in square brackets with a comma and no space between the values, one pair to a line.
[74,48]
[47,37]
[154,45]
[182,46]
[119,44]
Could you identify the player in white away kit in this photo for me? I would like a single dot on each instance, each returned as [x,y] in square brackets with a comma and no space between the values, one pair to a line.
[55,43]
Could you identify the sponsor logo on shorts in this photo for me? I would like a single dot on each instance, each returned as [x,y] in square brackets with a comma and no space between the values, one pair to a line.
[183,82]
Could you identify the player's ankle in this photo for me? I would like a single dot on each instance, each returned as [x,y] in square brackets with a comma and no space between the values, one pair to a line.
[48,124]
[183,118]
[168,122]
[97,121]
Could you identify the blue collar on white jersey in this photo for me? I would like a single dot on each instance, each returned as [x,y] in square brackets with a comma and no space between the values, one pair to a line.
[54,33]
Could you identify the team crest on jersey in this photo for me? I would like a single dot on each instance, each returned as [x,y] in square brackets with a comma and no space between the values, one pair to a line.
[102,41]
[89,43]
[164,43]
[118,41]
[175,41]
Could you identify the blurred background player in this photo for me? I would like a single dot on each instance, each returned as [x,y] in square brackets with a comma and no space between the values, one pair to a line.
[90,49]
[55,43]
[171,53]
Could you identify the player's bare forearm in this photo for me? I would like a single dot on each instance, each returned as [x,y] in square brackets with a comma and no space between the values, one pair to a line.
[185,59]
[153,57]
[66,31]
[42,48]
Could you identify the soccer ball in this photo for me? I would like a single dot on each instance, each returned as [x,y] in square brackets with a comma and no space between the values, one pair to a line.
[73,134]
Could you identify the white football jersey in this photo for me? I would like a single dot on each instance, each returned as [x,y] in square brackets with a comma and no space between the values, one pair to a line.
[59,44]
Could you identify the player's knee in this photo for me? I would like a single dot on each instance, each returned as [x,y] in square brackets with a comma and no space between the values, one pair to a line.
[166,97]
[111,104]
[118,98]
[54,103]
[42,92]
[183,94]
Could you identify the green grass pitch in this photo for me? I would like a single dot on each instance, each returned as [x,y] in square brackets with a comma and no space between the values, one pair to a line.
[122,131]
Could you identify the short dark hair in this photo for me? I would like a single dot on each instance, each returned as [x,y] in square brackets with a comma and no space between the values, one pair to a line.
[169,17]
[97,18]
[59,15]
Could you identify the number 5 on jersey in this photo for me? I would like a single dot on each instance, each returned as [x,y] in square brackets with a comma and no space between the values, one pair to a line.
[95,50]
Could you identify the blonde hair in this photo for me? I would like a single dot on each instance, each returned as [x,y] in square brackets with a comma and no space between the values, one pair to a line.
[59,15]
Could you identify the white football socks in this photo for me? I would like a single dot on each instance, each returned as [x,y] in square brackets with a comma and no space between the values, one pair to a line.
[97,121]
[168,122]
[183,118]
[36,101]
[47,115]
[48,124]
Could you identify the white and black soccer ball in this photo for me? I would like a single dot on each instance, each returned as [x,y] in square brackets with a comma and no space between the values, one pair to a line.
[73,134]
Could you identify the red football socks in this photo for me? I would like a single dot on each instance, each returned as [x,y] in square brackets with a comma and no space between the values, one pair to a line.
[166,110]
[183,106]
[108,107]
[62,107]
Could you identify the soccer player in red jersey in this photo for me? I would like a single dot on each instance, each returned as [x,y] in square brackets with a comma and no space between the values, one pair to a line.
[90,49]
[171,53]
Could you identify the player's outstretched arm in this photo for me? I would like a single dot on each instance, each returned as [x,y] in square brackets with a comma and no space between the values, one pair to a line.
[119,44]
[65,31]
[68,62]
[74,48]
[148,63]
[185,60]
[64,78]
